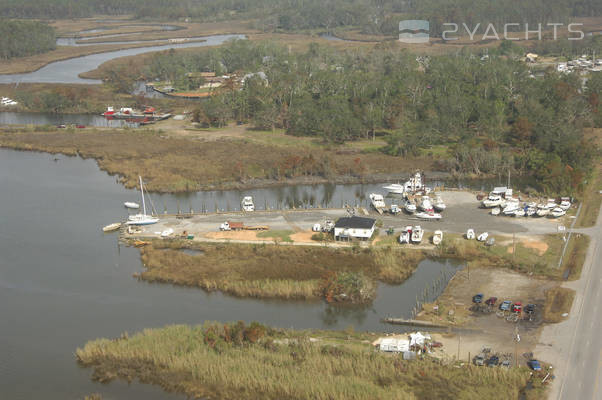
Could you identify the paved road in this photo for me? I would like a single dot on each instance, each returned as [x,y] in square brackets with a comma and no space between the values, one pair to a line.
[584,366]
[574,346]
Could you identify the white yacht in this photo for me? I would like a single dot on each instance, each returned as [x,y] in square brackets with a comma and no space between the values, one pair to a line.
[557,212]
[142,219]
[247,204]
[426,204]
[511,207]
[377,201]
[565,203]
[438,204]
[493,200]
[404,237]
[412,185]
[409,206]
[428,215]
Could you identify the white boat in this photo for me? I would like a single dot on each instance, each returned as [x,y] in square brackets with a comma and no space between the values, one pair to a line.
[142,219]
[483,237]
[438,204]
[112,227]
[519,213]
[493,200]
[409,206]
[417,234]
[511,207]
[404,237]
[496,211]
[542,210]
[395,209]
[565,203]
[167,232]
[132,205]
[428,215]
[377,201]
[557,212]
[395,188]
[426,204]
[470,234]
[531,211]
[437,237]
[247,204]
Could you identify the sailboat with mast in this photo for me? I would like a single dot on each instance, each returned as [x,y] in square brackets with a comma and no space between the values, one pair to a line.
[142,219]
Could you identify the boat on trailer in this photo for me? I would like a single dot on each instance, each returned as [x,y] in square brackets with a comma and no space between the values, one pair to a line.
[142,219]
[428,216]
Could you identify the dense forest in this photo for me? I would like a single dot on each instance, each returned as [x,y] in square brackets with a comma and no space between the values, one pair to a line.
[24,38]
[491,113]
[372,16]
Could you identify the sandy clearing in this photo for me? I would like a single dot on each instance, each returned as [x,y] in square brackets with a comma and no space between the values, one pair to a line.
[303,236]
[236,235]
[538,245]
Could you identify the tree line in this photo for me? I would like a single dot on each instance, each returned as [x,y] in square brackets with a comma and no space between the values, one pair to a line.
[491,113]
[25,38]
[372,16]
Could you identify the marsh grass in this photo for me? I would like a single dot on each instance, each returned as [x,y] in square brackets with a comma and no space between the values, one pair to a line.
[286,365]
[270,271]
[574,257]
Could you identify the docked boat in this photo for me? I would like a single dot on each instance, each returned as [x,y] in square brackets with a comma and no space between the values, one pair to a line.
[417,234]
[112,227]
[493,200]
[405,235]
[496,211]
[470,234]
[377,201]
[412,185]
[247,204]
[437,237]
[438,204]
[142,219]
[395,188]
[565,203]
[132,205]
[483,237]
[557,212]
[409,206]
[426,204]
[428,215]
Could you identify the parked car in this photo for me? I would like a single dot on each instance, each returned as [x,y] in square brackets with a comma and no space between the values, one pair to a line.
[530,308]
[61,126]
[491,301]
[80,126]
[506,363]
[493,361]
[534,365]
[479,360]
[505,305]
[517,307]
[477,298]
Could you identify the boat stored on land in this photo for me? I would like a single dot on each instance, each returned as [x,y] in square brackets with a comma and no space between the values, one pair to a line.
[405,235]
[426,204]
[429,216]
[496,211]
[409,206]
[167,232]
[483,237]
[542,210]
[565,203]
[557,212]
[417,234]
[437,237]
[377,201]
[511,207]
[142,219]
[470,235]
[438,204]
[494,200]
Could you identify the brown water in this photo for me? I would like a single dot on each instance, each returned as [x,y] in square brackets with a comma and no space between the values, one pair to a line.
[64,282]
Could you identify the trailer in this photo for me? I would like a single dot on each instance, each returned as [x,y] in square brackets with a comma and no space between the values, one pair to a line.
[239,226]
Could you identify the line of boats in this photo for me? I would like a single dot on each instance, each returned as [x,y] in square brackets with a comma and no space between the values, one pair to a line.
[148,115]
[501,204]
[415,234]
[8,102]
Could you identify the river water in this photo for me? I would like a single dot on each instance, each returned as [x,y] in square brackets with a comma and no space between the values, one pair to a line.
[64,282]
[31,118]
[67,71]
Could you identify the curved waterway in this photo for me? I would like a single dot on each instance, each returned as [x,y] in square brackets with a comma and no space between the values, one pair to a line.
[63,282]
[31,118]
[67,71]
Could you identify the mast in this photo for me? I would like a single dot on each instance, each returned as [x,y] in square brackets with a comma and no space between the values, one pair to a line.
[142,192]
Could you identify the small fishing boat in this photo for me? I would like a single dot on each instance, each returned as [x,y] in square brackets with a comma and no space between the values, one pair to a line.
[437,237]
[531,211]
[417,234]
[247,204]
[542,210]
[565,203]
[438,204]
[493,200]
[377,201]
[112,227]
[429,216]
[519,213]
[470,235]
[142,219]
[511,207]
[395,209]
[557,212]
[483,237]
[409,206]
[132,205]
[167,232]
[405,235]
[496,211]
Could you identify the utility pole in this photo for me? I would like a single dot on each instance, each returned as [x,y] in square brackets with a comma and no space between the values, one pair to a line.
[516,340]
[459,340]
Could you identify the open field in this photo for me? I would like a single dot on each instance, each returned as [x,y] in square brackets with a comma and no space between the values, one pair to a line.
[558,302]
[185,164]
[270,271]
[205,361]
[592,198]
